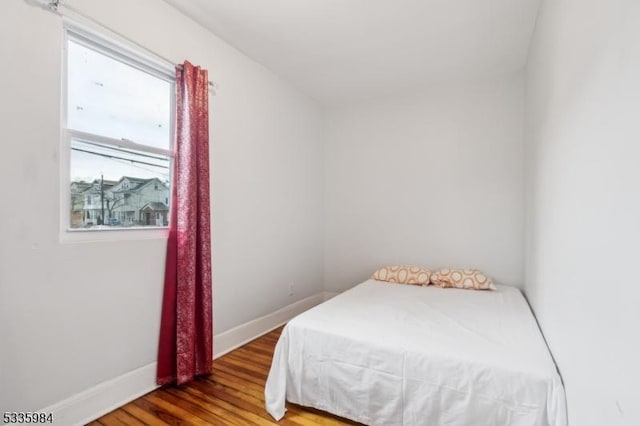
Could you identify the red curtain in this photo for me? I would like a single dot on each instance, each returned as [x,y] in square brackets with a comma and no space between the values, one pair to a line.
[185,348]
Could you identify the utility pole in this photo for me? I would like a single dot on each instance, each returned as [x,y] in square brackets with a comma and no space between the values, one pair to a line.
[102,197]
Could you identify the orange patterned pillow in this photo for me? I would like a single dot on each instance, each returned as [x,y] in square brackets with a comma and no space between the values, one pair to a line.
[403,275]
[462,278]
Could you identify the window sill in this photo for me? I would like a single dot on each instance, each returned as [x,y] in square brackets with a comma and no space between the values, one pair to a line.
[114,234]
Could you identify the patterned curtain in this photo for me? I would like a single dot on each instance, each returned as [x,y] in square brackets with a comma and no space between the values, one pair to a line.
[185,348]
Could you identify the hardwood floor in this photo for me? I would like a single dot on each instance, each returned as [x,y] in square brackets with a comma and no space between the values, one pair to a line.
[232,395]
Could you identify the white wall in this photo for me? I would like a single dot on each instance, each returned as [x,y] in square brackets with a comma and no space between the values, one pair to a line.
[583,213]
[73,315]
[433,179]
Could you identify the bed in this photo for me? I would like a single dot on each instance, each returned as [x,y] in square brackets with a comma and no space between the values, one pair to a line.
[391,354]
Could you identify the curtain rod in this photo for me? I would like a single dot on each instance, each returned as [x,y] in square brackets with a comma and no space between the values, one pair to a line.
[54,6]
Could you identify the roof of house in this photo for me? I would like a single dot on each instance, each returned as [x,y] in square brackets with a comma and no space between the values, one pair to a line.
[134,179]
[81,185]
[107,184]
[139,182]
[155,206]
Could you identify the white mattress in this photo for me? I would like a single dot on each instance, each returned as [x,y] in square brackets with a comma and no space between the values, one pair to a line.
[390,354]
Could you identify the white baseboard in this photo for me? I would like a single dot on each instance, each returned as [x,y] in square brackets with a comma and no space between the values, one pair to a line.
[94,402]
[329,294]
[234,338]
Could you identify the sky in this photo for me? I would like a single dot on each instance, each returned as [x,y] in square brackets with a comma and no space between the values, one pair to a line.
[110,98]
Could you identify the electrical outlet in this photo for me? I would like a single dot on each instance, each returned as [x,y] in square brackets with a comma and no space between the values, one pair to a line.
[292,289]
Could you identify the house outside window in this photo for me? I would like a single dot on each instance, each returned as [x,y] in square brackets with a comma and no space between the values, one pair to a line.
[118,133]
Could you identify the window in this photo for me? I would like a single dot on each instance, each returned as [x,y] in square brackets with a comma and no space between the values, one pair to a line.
[118,132]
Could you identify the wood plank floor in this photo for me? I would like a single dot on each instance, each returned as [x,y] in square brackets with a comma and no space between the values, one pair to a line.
[232,395]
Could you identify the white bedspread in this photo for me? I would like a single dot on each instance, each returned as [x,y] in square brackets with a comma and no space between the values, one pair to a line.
[390,354]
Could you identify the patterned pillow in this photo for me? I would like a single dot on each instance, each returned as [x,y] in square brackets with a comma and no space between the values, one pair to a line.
[462,278]
[403,275]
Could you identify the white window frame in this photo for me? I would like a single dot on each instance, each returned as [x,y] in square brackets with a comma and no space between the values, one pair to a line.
[115,47]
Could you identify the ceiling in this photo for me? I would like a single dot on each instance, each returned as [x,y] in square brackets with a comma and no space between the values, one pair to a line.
[347,50]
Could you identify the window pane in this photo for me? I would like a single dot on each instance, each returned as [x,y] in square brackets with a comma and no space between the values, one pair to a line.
[110,98]
[115,188]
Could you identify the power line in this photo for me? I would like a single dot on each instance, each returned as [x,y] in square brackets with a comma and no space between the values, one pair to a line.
[140,154]
[113,157]
[149,170]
